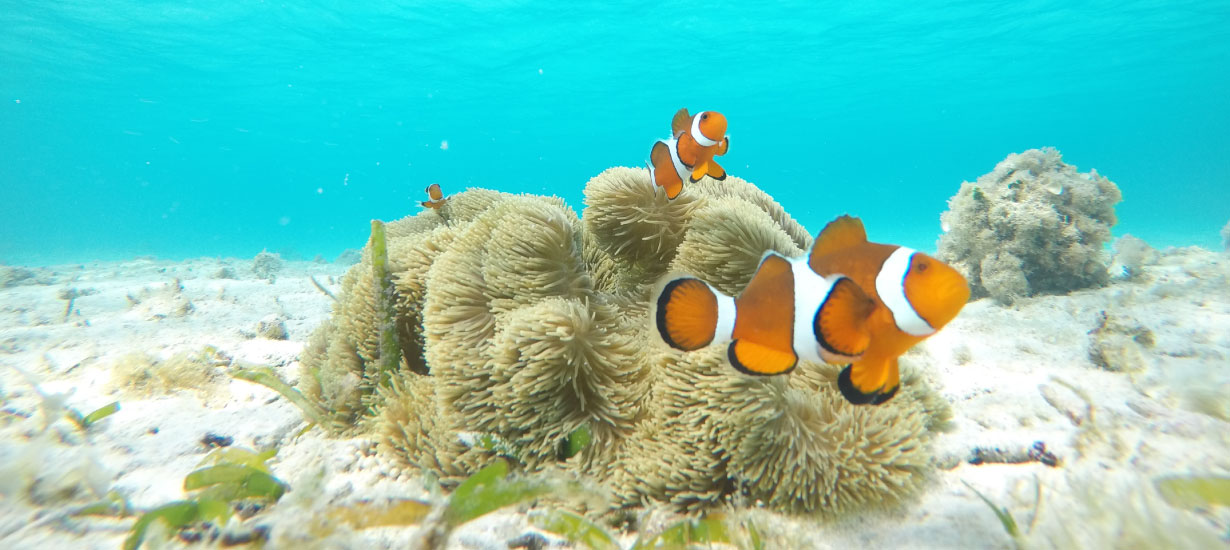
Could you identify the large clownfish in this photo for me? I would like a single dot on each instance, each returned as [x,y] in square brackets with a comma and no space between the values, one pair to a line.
[860,302]
[689,153]
[787,312]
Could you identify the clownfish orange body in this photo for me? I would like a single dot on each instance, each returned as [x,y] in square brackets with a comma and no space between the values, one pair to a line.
[689,153]
[915,296]
[847,301]
[787,312]
[437,197]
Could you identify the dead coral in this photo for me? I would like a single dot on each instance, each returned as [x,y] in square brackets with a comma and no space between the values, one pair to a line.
[1033,225]
[17,275]
[266,265]
[143,374]
[1118,345]
[1132,255]
[272,327]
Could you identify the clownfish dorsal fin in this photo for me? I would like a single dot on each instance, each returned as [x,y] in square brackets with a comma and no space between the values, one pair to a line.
[840,234]
[682,122]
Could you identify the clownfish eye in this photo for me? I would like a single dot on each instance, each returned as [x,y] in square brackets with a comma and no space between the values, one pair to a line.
[704,116]
[920,266]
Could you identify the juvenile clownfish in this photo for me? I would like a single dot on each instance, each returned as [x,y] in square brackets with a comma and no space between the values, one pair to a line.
[787,312]
[689,153]
[437,197]
[915,295]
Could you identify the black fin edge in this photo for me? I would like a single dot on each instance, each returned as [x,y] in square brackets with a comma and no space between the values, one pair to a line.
[739,366]
[856,397]
[815,325]
[664,298]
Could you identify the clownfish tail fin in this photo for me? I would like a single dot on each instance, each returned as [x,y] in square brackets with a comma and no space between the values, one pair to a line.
[686,313]
[662,170]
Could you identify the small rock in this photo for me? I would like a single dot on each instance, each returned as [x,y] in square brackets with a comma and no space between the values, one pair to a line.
[266,265]
[213,440]
[272,327]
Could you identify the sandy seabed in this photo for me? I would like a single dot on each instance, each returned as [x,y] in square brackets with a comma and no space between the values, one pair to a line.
[1120,385]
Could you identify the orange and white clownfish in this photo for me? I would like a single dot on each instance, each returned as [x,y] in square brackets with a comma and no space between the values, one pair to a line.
[787,312]
[689,153]
[915,295]
[436,195]
[862,303]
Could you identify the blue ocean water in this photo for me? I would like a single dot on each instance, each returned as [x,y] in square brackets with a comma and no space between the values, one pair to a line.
[193,128]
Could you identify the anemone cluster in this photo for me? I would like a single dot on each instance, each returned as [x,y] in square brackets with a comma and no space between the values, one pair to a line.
[521,325]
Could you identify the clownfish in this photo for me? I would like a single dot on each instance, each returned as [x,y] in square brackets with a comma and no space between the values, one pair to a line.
[915,295]
[861,303]
[436,195]
[787,312]
[689,153]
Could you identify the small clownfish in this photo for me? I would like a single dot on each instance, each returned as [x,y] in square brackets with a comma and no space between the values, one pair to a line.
[915,295]
[437,197]
[787,312]
[689,152]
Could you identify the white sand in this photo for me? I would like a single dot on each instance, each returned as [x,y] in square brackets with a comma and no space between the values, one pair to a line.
[994,364]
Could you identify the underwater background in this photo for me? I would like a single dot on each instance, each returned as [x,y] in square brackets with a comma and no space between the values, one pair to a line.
[183,129]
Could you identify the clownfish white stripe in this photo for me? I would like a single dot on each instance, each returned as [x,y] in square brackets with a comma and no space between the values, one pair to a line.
[698,135]
[725,318]
[680,168]
[890,285]
[810,291]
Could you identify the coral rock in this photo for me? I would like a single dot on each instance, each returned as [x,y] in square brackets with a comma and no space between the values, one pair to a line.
[1033,225]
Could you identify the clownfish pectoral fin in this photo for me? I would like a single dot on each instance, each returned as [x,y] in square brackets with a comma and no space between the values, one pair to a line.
[722,147]
[840,324]
[716,172]
[699,171]
[841,233]
[869,384]
[682,122]
[663,170]
[687,313]
[752,358]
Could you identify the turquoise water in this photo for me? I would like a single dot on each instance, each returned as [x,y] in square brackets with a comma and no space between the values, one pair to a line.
[182,129]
